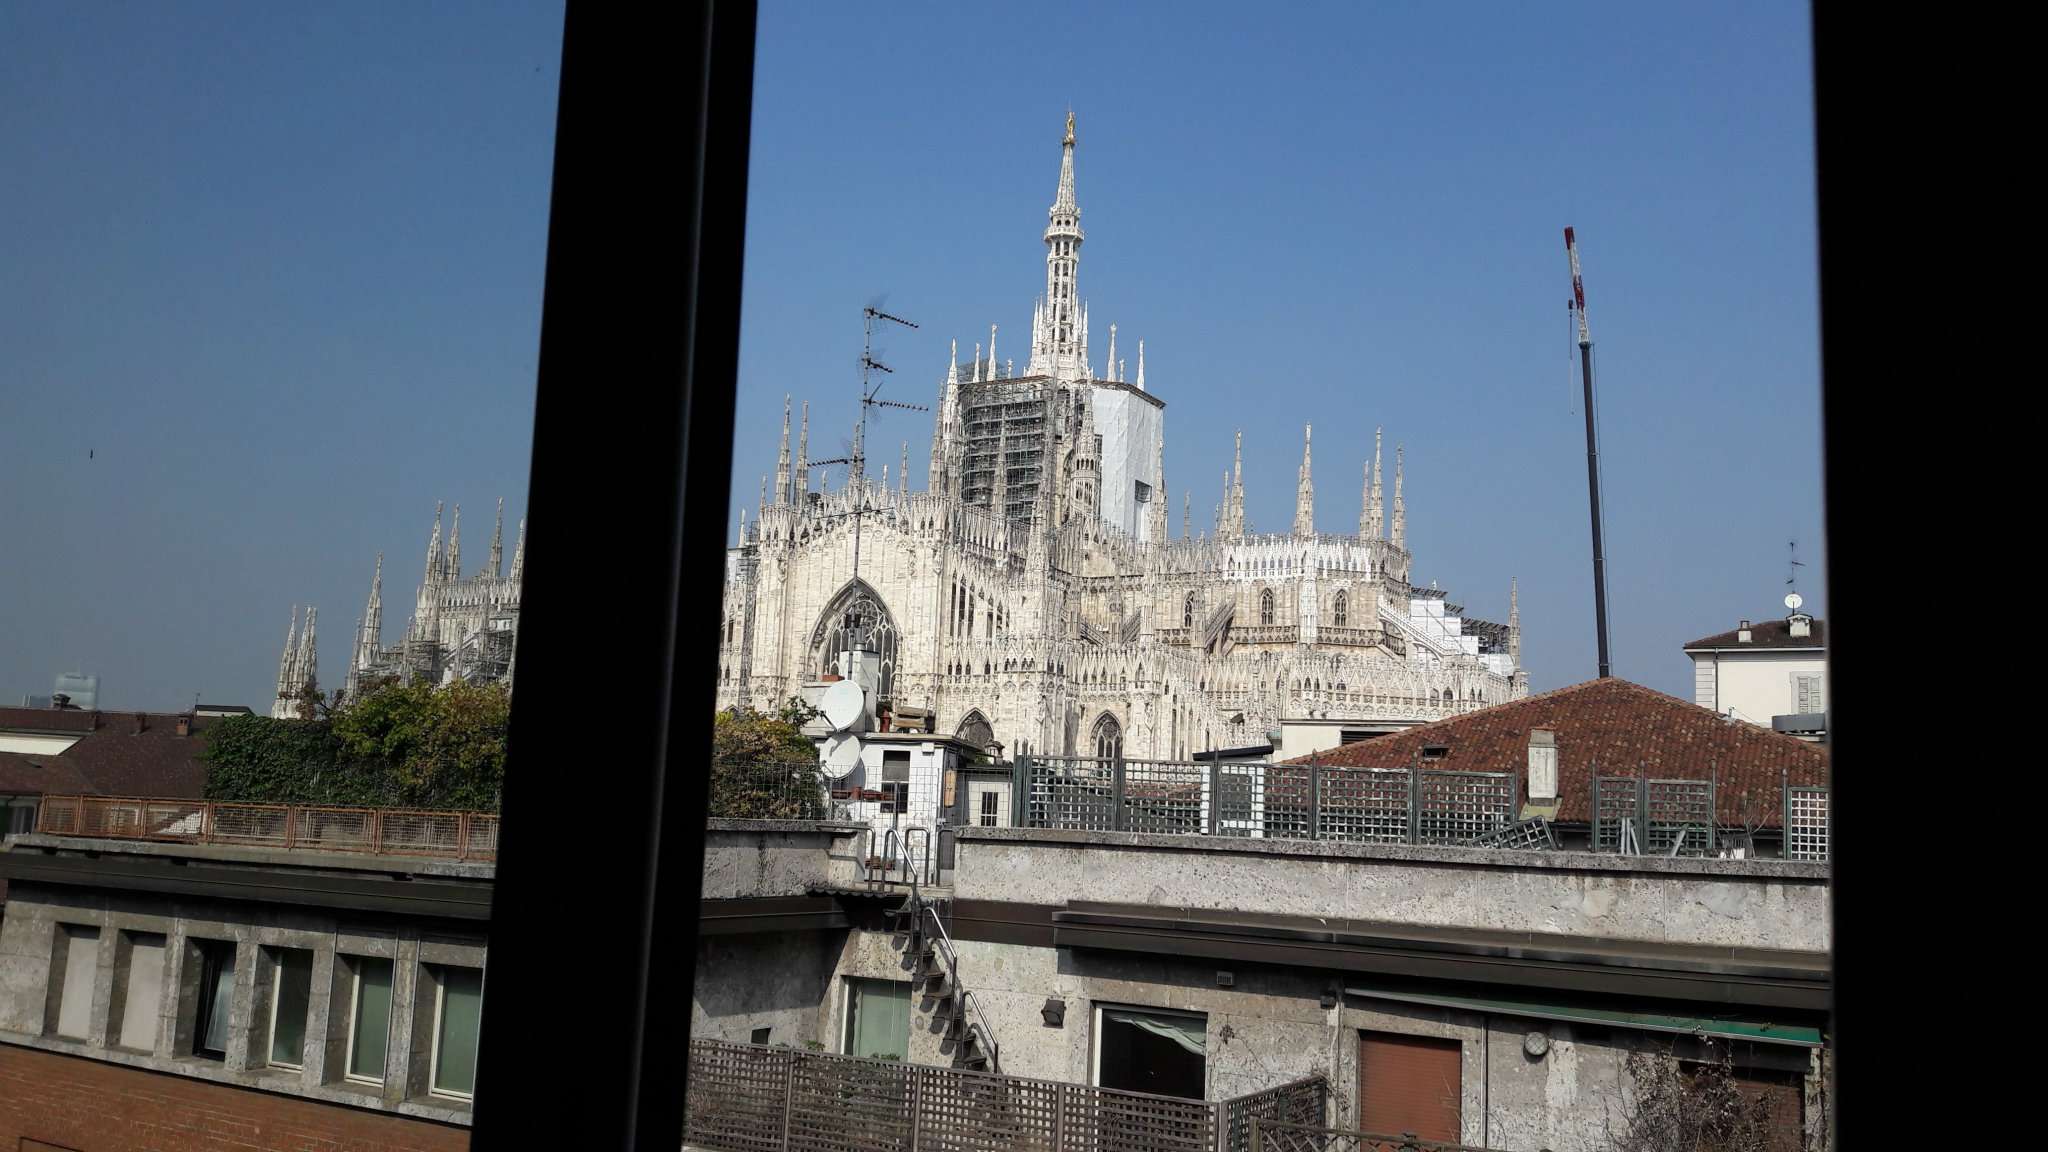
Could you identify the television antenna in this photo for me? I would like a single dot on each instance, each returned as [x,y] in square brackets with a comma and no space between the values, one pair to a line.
[1792,599]
[870,389]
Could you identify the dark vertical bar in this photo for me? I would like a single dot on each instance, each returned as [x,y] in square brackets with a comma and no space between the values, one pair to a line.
[646,232]
[1119,820]
[1315,799]
[1593,488]
[1215,794]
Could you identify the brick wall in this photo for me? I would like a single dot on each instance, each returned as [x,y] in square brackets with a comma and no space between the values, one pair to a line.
[67,1102]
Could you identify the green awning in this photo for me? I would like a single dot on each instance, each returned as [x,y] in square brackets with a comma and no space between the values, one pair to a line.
[1754,1030]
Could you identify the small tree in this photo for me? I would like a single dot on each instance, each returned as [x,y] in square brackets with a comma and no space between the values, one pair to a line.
[1682,1106]
[764,767]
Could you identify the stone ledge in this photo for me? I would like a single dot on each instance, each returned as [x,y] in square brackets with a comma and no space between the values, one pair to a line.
[1547,861]
[729,824]
[266,857]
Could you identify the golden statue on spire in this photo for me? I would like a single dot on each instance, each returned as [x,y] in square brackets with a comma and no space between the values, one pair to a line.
[1070,127]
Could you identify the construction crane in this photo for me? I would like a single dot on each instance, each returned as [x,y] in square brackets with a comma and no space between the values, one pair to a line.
[1578,306]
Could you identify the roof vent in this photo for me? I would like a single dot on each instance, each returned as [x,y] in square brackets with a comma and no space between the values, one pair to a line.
[1435,751]
[184,724]
[1742,634]
[1800,624]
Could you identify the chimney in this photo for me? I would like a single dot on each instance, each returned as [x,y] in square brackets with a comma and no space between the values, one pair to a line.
[184,724]
[1542,764]
[1742,633]
[1800,625]
[60,701]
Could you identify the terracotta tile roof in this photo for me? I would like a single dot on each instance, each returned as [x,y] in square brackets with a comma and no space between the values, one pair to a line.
[1765,634]
[28,774]
[1622,728]
[112,758]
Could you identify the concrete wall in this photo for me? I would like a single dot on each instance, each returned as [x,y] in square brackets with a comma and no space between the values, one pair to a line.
[779,857]
[36,913]
[779,981]
[1739,903]
[1757,685]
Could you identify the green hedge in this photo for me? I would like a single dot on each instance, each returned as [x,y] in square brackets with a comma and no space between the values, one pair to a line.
[397,745]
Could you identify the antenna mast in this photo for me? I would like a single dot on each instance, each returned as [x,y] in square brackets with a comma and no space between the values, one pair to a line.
[857,464]
[1578,302]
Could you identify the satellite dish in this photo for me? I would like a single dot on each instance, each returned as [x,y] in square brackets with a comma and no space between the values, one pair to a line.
[842,756]
[843,705]
[1793,601]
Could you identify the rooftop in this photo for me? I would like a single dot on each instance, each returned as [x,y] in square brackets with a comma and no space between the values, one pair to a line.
[1615,728]
[1765,634]
[115,753]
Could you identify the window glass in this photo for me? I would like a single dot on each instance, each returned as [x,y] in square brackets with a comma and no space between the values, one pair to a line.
[142,1001]
[289,1001]
[81,961]
[216,996]
[370,1023]
[461,992]
[878,1019]
[1163,1053]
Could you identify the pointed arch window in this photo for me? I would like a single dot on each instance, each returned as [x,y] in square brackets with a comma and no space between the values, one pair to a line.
[974,729]
[1343,609]
[1187,611]
[1108,737]
[857,620]
[1266,606]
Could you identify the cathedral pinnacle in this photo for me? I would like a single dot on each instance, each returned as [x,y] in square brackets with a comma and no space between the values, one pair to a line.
[1305,490]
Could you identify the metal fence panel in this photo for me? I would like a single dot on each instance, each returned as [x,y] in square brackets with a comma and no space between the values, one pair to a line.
[737,1097]
[1105,1120]
[1806,822]
[1073,792]
[420,833]
[961,1111]
[1165,796]
[842,1105]
[258,826]
[1678,814]
[1301,1102]
[465,835]
[1614,805]
[1364,805]
[1459,807]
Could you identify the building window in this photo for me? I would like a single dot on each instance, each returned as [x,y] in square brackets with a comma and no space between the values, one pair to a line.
[369,1018]
[1109,738]
[991,810]
[1410,1084]
[291,992]
[1808,694]
[1342,613]
[141,991]
[1187,611]
[21,818]
[458,1006]
[1266,606]
[1142,1050]
[877,1019]
[215,960]
[896,780]
[78,958]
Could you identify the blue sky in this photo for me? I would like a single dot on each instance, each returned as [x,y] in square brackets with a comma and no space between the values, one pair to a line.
[278,269]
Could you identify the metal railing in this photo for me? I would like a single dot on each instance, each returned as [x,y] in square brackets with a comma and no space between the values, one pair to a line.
[1274,801]
[302,827]
[754,1098]
[968,1003]
[752,791]
[1280,1136]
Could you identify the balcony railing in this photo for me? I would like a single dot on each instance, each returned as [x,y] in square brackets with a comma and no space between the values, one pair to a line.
[290,827]
[754,1098]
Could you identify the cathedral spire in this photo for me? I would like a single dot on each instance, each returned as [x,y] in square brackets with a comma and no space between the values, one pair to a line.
[373,616]
[977,362]
[1187,514]
[1372,523]
[1515,622]
[307,673]
[942,415]
[782,458]
[742,541]
[1305,490]
[1109,369]
[519,554]
[1064,340]
[498,542]
[284,662]
[992,352]
[434,568]
[803,458]
[1141,365]
[1400,509]
[455,548]
[903,474]
[1156,513]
